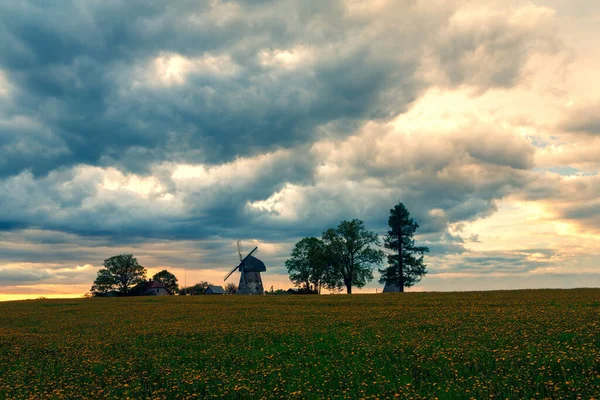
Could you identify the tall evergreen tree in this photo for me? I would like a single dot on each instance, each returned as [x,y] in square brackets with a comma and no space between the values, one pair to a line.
[405,261]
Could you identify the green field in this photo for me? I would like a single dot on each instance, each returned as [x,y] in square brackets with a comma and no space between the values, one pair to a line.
[509,344]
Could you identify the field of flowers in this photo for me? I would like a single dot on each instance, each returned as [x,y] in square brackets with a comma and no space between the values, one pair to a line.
[509,344]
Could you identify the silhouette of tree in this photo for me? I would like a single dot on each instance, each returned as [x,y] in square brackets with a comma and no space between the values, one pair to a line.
[104,284]
[308,263]
[167,279]
[406,266]
[120,273]
[231,288]
[350,255]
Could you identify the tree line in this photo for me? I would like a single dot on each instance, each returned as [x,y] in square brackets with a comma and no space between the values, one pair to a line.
[122,273]
[200,288]
[345,256]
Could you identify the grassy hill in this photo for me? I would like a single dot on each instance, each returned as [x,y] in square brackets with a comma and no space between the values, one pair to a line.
[508,344]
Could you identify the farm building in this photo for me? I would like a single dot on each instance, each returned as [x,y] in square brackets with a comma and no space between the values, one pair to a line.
[150,288]
[391,288]
[212,289]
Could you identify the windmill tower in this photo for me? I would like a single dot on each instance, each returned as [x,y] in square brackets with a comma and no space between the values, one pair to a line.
[250,268]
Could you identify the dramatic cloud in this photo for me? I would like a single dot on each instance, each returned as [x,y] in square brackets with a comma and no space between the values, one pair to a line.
[574,199]
[20,276]
[170,130]
[583,118]
[207,83]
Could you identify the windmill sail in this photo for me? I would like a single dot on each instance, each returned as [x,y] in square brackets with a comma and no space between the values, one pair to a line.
[231,272]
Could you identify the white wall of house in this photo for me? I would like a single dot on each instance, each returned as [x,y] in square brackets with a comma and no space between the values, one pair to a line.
[159,292]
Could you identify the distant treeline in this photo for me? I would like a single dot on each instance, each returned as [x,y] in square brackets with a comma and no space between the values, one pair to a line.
[343,257]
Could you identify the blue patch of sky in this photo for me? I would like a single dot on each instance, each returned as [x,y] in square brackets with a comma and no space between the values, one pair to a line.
[565,171]
[538,141]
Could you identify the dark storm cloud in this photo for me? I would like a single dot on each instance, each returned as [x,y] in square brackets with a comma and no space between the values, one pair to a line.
[74,259]
[583,119]
[255,86]
[450,186]
[442,179]
[71,68]
[83,72]
[14,276]
[24,143]
[496,262]
[75,201]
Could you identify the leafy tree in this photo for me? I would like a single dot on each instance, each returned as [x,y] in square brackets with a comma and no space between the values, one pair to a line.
[308,264]
[231,288]
[120,273]
[350,254]
[167,279]
[332,279]
[104,284]
[406,266]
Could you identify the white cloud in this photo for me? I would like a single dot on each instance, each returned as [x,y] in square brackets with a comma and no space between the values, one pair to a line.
[297,57]
[174,69]
[4,87]
[115,180]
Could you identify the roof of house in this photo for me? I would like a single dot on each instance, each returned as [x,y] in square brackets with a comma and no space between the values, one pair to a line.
[215,289]
[156,285]
[148,285]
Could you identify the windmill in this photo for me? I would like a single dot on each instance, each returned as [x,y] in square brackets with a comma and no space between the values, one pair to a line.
[250,268]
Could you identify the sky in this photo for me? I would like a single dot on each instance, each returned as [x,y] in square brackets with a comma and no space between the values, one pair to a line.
[170,130]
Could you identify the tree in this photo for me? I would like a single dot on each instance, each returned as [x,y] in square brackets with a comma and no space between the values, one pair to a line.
[308,264]
[167,279]
[231,288]
[350,255]
[104,284]
[332,280]
[406,266]
[197,289]
[120,273]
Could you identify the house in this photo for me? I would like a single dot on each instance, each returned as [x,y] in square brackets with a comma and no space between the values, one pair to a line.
[150,288]
[212,289]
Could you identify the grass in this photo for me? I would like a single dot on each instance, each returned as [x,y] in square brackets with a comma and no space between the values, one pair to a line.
[508,344]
